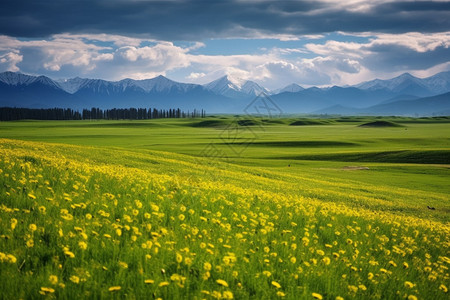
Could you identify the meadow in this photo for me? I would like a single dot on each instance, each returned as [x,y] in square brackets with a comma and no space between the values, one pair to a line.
[225,207]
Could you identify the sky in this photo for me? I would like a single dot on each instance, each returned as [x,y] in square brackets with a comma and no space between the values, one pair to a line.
[274,43]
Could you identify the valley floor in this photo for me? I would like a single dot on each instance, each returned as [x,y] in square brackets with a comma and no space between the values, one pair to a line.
[223,208]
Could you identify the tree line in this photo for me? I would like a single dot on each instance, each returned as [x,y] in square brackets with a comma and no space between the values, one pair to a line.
[14,114]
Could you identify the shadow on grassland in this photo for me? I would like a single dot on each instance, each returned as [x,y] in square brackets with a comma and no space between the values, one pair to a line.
[402,156]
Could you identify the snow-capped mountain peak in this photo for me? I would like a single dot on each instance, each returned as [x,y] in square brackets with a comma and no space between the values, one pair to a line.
[71,85]
[234,87]
[407,83]
[11,78]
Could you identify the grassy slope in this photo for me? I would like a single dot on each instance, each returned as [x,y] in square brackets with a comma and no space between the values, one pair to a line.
[317,192]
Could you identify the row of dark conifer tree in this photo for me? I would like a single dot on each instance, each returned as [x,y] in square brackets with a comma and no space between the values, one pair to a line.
[14,113]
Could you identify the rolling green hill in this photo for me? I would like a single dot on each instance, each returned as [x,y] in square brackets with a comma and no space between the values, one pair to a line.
[165,209]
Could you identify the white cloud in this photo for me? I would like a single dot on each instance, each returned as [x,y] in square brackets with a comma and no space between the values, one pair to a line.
[416,41]
[9,61]
[116,57]
[195,75]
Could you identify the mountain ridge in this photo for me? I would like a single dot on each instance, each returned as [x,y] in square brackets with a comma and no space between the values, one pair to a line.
[226,94]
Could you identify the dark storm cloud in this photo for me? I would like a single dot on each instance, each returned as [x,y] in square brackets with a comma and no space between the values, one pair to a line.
[196,20]
[397,57]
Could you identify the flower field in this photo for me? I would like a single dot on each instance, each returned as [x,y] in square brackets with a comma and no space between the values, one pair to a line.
[103,222]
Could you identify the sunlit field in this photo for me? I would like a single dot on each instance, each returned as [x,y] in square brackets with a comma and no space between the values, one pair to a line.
[223,208]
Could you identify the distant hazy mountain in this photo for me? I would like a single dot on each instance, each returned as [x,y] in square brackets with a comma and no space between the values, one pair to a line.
[313,99]
[426,106]
[408,84]
[402,95]
[234,87]
[20,90]
[438,105]
[292,88]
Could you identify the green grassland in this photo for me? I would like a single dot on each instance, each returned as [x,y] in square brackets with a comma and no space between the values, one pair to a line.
[226,206]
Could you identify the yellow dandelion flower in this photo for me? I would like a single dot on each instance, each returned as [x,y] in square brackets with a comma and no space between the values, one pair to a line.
[11,258]
[281,294]
[47,290]
[181,217]
[206,275]
[320,252]
[69,254]
[32,196]
[164,283]
[42,209]
[409,284]
[179,258]
[317,296]
[353,288]
[13,223]
[222,282]
[267,273]
[53,279]
[276,284]
[362,287]
[207,266]
[74,279]
[339,298]
[412,297]
[119,232]
[30,243]
[293,260]
[370,276]
[326,260]
[123,264]
[83,245]
[227,295]
[32,227]
[149,281]
[443,288]
[114,288]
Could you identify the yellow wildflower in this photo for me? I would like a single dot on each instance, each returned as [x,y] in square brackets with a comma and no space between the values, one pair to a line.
[317,296]
[47,290]
[227,295]
[74,279]
[280,294]
[53,279]
[82,245]
[222,282]
[276,284]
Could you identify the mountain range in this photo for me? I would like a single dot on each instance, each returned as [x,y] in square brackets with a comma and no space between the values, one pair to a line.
[402,95]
